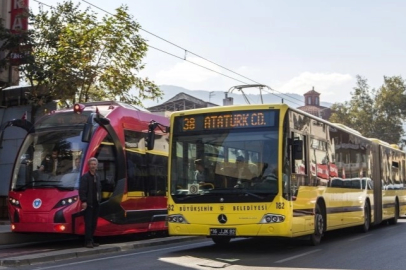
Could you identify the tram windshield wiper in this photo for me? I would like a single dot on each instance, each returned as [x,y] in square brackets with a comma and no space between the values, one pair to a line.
[23,187]
[64,188]
[34,184]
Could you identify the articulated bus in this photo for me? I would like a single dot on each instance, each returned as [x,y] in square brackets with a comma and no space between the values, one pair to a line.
[43,194]
[271,170]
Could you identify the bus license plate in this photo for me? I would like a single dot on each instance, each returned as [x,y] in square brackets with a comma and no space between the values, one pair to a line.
[223,231]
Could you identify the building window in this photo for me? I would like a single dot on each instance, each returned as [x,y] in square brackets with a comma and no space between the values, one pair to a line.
[317,101]
[309,100]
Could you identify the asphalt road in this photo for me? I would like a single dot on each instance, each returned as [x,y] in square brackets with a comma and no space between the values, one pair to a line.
[380,249]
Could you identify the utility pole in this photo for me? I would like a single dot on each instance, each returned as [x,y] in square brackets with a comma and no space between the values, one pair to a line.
[211,93]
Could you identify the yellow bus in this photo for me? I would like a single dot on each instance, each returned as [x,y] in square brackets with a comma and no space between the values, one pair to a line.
[271,170]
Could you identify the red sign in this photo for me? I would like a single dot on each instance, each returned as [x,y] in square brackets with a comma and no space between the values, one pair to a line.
[19,16]
[19,23]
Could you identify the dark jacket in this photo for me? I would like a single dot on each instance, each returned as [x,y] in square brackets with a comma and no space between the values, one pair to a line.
[87,191]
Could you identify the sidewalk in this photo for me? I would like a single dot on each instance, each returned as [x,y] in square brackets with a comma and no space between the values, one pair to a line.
[9,238]
[4,222]
[5,228]
[57,255]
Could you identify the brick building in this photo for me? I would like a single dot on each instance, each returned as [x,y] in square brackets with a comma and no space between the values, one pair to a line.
[312,105]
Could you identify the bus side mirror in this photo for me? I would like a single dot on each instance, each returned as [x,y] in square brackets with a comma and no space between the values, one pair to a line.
[150,139]
[87,132]
[297,149]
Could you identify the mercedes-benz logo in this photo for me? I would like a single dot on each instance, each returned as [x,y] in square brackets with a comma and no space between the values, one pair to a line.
[222,219]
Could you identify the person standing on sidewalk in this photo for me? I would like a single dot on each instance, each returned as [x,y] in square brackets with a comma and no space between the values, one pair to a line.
[90,196]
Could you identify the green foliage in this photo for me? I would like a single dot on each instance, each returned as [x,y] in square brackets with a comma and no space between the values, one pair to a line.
[375,113]
[81,58]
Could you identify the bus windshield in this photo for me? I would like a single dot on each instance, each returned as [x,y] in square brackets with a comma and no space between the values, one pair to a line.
[237,164]
[49,159]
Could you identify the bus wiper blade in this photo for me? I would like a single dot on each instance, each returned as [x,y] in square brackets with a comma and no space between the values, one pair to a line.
[188,197]
[246,192]
[222,191]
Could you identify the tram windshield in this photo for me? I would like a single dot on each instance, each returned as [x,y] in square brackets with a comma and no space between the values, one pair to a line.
[50,159]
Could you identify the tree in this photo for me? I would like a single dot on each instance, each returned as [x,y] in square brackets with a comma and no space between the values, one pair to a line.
[80,58]
[375,113]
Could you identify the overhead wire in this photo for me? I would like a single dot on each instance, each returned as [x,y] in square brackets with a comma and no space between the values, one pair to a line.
[190,52]
[196,64]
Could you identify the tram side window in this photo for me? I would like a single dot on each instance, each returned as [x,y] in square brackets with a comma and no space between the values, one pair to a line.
[106,155]
[134,140]
[158,174]
[136,165]
[136,171]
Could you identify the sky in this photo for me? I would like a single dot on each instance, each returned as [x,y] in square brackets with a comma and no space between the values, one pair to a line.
[290,46]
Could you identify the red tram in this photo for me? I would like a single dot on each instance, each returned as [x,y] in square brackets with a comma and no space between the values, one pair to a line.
[43,193]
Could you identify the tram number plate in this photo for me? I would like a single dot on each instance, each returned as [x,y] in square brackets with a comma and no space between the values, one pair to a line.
[223,231]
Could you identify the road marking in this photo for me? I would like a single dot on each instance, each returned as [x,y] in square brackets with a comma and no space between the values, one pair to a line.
[298,256]
[120,256]
[195,262]
[357,238]
[227,260]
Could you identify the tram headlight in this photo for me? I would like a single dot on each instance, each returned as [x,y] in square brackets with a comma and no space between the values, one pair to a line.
[176,219]
[14,202]
[66,201]
[272,218]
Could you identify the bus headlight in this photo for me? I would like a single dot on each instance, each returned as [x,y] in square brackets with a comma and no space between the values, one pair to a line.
[14,202]
[66,201]
[177,219]
[272,218]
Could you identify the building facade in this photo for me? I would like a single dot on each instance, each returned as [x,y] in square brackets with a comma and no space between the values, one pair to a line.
[180,102]
[312,105]
[13,16]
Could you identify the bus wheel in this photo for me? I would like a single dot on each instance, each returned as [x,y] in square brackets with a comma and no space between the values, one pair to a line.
[394,220]
[367,218]
[221,240]
[315,238]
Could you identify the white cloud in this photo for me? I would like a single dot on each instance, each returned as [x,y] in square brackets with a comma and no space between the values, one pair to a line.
[333,87]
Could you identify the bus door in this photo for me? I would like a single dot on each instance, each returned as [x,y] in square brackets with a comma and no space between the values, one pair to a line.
[377,179]
[299,179]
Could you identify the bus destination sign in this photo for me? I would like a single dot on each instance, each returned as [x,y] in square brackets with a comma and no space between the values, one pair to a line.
[226,120]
